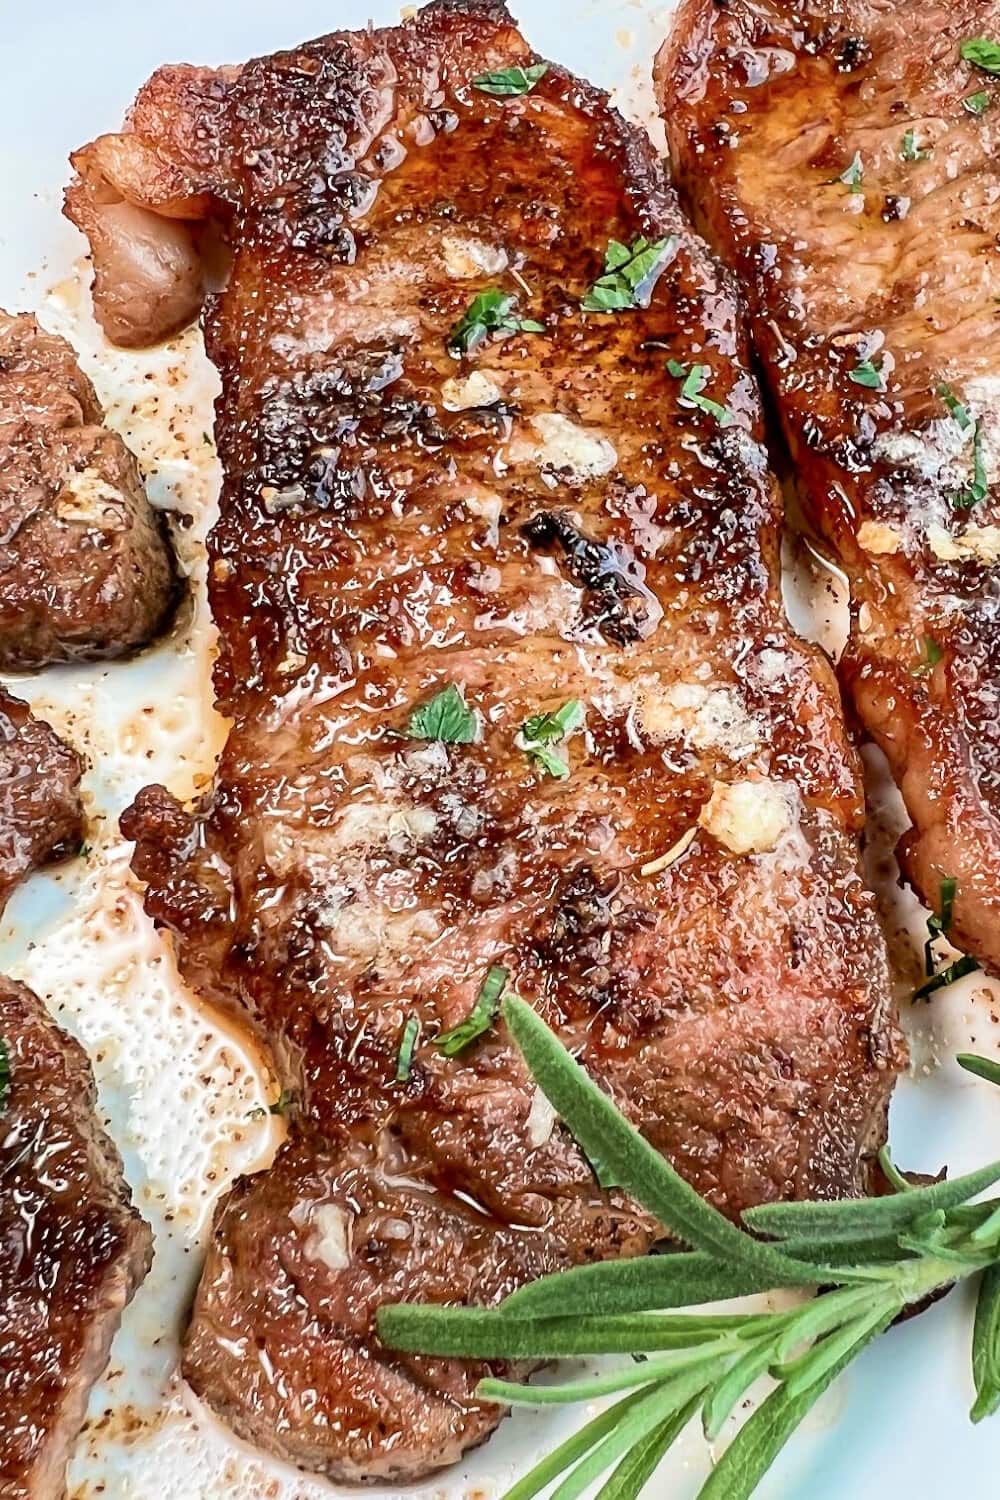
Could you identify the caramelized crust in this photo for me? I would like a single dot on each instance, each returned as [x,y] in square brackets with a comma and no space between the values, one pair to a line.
[544,518]
[772,112]
[85,567]
[72,1247]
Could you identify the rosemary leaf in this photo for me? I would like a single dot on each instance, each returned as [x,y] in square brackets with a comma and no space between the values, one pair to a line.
[986,1346]
[762,1437]
[517,1393]
[639,1464]
[678,1279]
[650,1413]
[560,1459]
[855,1218]
[602,1132]
[481,1333]
[983,1067]
[724,1395]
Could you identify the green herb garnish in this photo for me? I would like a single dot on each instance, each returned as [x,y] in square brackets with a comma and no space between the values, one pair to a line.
[932,654]
[983,52]
[489,312]
[480,1018]
[280,1105]
[630,273]
[852,174]
[876,1256]
[510,81]
[407,1046]
[443,717]
[543,731]
[958,970]
[4,1074]
[695,381]
[978,103]
[979,488]
[867,374]
[909,150]
[939,923]
[983,1067]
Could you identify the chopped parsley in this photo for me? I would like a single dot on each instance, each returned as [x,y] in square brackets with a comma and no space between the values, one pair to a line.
[280,1105]
[480,1018]
[695,380]
[909,150]
[542,732]
[955,407]
[852,174]
[979,488]
[407,1046]
[932,654]
[491,311]
[443,717]
[983,52]
[939,923]
[508,82]
[630,273]
[958,970]
[866,373]
[4,1074]
[977,103]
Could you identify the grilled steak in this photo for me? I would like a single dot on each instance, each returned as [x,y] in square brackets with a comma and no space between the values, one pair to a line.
[85,566]
[72,1248]
[40,813]
[844,158]
[456,501]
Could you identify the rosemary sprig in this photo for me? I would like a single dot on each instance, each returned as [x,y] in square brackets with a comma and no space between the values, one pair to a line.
[875,1257]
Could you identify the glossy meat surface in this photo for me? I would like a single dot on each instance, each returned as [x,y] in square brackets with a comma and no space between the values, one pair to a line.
[843,157]
[85,566]
[41,817]
[546,517]
[72,1248]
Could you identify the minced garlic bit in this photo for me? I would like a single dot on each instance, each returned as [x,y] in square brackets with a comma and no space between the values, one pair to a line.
[878,538]
[581,453]
[475,389]
[672,855]
[330,1241]
[975,544]
[709,718]
[466,257]
[748,817]
[541,1120]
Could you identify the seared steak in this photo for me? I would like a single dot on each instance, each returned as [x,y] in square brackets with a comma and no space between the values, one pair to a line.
[40,813]
[843,156]
[72,1248]
[85,566]
[456,500]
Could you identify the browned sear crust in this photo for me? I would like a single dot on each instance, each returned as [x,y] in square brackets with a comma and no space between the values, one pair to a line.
[547,517]
[41,817]
[85,566]
[844,158]
[72,1247]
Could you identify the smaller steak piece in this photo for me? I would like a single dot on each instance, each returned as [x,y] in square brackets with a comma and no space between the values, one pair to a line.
[40,813]
[72,1247]
[85,566]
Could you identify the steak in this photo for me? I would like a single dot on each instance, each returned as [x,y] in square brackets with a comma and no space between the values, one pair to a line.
[85,566]
[513,702]
[72,1248]
[843,158]
[41,817]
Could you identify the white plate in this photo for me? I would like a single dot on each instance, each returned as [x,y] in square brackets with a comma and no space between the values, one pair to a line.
[178,1089]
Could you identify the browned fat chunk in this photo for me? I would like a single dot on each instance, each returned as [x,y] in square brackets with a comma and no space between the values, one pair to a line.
[72,1247]
[85,566]
[546,517]
[843,157]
